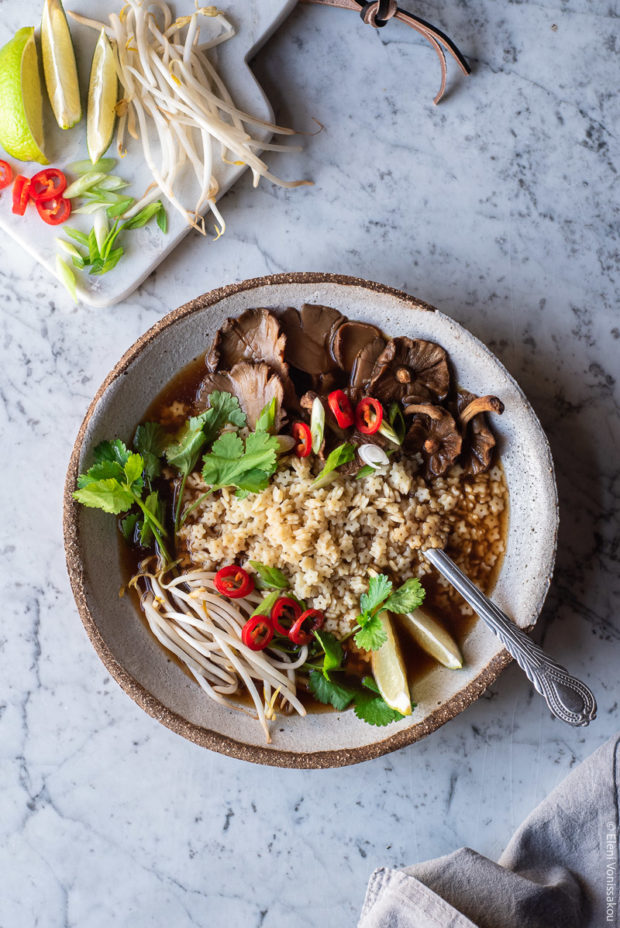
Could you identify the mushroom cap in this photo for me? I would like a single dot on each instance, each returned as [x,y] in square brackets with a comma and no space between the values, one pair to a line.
[253,336]
[309,334]
[349,339]
[437,436]
[254,385]
[412,368]
[478,438]
[364,365]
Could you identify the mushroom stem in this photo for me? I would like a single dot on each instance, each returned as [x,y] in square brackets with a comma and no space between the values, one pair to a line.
[431,445]
[403,375]
[425,409]
[481,404]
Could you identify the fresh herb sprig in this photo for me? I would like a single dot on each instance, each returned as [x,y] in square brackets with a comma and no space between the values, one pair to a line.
[381,596]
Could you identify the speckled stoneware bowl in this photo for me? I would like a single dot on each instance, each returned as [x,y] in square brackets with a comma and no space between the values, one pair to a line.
[328,739]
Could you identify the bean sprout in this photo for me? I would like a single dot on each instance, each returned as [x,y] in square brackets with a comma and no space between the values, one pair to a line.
[177,105]
[203,631]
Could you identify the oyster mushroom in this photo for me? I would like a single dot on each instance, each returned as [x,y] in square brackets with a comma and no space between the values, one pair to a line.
[309,334]
[478,438]
[364,365]
[349,340]
[435,433]
[254,385]
[254,336]
[410,368]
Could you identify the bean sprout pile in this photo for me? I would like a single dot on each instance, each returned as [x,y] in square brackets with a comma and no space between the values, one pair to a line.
[203,631]
[177,105]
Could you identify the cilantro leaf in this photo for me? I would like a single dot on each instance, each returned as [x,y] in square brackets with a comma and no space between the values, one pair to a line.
[339,456]
[111,451]
[326,691]
[223,408]
[333,652]
[270,577]
[379,588]
[109,495]
[185,451]
[128,525]
[370,707]
[149,441]
[229,464]
[105,470]
[267,604]
[155,507]
[372,635]
[134,465]
[267,418]
[407,597]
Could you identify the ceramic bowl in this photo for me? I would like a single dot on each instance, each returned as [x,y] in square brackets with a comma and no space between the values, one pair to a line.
[329,739]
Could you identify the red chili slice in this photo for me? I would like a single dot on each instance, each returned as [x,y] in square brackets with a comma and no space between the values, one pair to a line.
[341,408]
[300,635]
[21,194]
[233,581]
[6,174]
[285,610]
[303,437]
[54,211]
[368,415]
[47,184]
[257,633]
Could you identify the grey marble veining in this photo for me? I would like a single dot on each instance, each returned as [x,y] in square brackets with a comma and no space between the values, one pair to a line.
[501,207]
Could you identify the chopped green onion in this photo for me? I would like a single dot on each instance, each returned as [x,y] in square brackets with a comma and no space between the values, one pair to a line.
[67,277]
[113,182]
[388,432]
[162,220]
[82,184]
[102,229]
[89,208]
[86,166]
[121,207]
[317,424]
[70,249]
[76,235]
[141,218]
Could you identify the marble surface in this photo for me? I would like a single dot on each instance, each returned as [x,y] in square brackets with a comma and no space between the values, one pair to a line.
[500,207]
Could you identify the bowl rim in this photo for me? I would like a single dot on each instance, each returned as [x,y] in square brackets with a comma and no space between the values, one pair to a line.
[197,734]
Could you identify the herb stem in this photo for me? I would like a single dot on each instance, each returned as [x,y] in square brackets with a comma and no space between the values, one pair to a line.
[196,503]
[177,511]
[149,516]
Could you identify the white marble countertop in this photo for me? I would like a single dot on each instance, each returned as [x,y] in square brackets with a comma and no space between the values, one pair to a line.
[500,207]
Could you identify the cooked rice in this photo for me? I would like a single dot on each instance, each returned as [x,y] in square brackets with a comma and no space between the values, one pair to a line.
[327,541]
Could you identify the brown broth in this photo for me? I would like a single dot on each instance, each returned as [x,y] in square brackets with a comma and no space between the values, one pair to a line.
[183,389]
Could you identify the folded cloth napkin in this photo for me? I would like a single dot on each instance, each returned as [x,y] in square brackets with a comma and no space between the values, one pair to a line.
[558,871]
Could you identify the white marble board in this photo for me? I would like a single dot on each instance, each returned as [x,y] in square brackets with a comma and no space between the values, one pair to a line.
[254,21]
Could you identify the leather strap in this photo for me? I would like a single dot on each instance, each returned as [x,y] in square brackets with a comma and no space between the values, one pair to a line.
[377,13]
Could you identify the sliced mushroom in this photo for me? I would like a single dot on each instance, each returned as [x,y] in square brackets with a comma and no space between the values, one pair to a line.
[364,365]
[253,336]
[435,433]
[349,340]
[309,334]
[254,385]
[411,368]
[478,438]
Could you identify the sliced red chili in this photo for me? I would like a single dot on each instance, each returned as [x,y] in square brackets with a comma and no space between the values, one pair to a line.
[257,633]
[233,581]
[21,194]
[368,415]
[341,408]
[6,174]
[305,626]
[54,211]
[303,437]
[47,184]
[284,614]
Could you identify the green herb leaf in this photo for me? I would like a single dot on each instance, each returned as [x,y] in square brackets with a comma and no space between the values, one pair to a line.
[223,408]
[267,418]
[333,651]
[185,451]
[112,451]
[372,635]
[338,695]
[372,708]
[265,607]
[149,441]
[133,468]
[108,495]
[128,526]
[155,507]
[231,465]
[104,470]
[270,577]
[379,588]
[407,597]
[339,456]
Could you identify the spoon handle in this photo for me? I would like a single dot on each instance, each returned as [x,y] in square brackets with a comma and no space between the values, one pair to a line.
[568,698]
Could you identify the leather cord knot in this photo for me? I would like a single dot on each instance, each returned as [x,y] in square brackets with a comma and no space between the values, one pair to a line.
[377,13]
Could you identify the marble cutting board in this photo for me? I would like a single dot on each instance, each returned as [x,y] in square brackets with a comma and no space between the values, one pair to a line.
[254,20]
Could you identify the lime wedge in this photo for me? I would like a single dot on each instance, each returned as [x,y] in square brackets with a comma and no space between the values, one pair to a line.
[21,104]
[389,671]
[433,638]
[102,99]
[59,67]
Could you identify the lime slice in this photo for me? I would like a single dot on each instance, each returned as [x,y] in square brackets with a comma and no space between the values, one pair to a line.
[21,104]
[102,99]
[433,638]
[59,67]
[389,671]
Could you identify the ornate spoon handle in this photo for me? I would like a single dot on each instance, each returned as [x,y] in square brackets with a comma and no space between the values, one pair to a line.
[568,698]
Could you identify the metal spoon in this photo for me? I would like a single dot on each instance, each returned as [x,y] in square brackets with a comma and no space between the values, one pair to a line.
[568,698]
